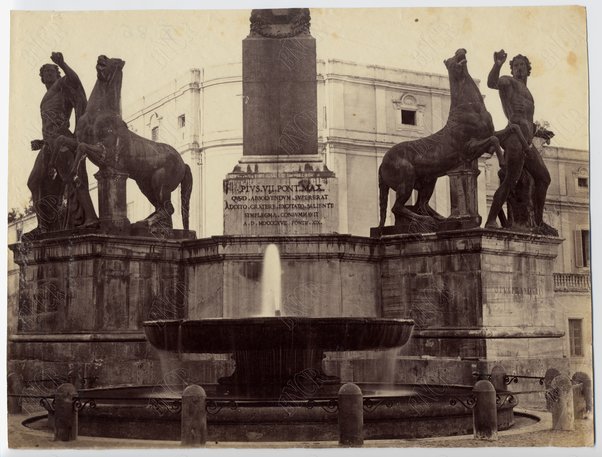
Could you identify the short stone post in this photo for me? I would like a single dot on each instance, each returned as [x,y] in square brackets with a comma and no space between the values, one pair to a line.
[14,387]
[351,416]
[560,395]
[73,377]
[498,376]
[586,393]
[551,373]
[484,413]
[194,417]
[65,415]
[481,370]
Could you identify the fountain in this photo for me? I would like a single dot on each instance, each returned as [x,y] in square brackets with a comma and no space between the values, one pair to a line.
[271,350]
[286,369]
[279,390]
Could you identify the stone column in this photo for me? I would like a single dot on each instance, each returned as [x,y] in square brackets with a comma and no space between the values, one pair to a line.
[281,185]
[279,84]
[463,197]
[112,200]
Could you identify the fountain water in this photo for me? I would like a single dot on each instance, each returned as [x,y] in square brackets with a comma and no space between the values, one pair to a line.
[271,280]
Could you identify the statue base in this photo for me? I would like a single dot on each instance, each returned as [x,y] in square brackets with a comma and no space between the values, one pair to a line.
[403,226]
[280,195]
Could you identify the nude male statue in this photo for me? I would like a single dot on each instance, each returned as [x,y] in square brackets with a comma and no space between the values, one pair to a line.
[519,152]
[63,95]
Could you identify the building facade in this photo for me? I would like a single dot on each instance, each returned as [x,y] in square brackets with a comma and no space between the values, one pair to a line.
[362,112]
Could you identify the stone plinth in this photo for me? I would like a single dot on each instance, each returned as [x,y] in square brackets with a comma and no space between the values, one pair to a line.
[82,300]
[476,295]
[288,197]
[97,283]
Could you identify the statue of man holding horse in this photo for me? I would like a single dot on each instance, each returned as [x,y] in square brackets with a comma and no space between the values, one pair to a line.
[50,175]
[519,153]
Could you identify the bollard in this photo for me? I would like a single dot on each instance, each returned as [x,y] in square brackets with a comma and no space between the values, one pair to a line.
[15,387]
[481,367]
[484,413]
[578,402]
[498,373]
[560,395]
[586,392]
[351,416]
[194,417]
[65,415]
[551,373]
[73,377]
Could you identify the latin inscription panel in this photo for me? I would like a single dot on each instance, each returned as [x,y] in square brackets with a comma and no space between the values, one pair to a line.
[280,205]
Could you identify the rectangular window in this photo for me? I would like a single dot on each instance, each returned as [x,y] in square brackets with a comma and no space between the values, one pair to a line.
[576,337]
[408,117]
[582,248]
[583,183]
[181,120]
[155,133]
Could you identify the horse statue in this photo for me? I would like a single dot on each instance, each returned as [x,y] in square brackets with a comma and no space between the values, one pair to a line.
[417,164]
[105,139]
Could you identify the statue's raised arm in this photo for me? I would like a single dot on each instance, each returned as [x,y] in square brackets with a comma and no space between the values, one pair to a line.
[493,80]
[75,92]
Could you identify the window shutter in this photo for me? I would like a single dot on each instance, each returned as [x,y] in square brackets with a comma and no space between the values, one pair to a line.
[578,246]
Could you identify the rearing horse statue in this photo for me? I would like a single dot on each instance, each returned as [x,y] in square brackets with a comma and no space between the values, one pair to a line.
[105,139]
[468,134]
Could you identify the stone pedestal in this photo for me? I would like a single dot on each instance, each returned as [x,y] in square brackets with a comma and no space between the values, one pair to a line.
[281,186]
[475,295]
[289,196]
[82,300]
[112,200]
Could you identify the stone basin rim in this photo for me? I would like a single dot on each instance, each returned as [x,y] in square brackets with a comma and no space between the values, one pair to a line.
[268,319]
[226,335]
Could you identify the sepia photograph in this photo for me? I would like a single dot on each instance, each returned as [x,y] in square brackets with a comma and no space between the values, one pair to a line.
[300,227]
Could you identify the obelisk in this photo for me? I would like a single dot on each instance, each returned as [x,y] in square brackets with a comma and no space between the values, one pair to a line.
[281,185]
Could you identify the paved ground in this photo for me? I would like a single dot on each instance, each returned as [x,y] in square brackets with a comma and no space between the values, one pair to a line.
[539,434]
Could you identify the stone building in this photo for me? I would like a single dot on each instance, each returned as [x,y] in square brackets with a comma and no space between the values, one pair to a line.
[362,112]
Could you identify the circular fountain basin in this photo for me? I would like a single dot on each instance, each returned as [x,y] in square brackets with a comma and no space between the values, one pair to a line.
[270,352]
[298,414]
[217,335]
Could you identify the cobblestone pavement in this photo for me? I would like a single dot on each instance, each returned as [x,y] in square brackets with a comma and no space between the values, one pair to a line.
[539,435]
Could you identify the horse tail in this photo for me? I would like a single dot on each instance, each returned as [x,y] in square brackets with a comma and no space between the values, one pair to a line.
[185,191]
[383,196]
